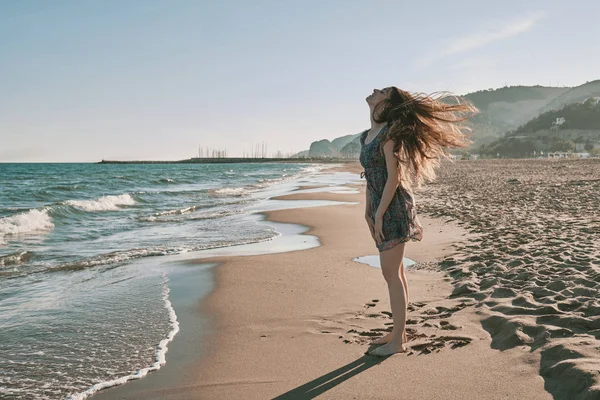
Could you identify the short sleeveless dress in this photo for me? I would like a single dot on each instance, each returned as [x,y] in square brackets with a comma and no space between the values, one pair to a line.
[400,220]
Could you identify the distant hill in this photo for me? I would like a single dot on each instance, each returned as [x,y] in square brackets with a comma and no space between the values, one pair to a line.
[575,95]
[507,108]
[584,115]
[325,148]
[575,127]
[340,142]
[352,149]
[501,110]
[301,154]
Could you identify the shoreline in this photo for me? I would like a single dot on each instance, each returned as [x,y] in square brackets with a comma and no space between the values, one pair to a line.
[287,328]
[236,160]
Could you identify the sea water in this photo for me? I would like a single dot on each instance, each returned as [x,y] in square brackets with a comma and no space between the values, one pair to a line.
[84,293]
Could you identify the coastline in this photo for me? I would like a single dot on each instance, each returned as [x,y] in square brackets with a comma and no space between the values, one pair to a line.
[236,160]
[296,324]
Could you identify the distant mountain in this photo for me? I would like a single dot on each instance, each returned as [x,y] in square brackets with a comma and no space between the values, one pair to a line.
[579,115]
[340,142]
[507,108]
[323,148]
[351,149]
[301,154]
[575,127]
[501,110]
[575,95]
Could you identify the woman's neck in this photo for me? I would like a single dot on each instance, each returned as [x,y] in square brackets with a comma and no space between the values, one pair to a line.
[376,125]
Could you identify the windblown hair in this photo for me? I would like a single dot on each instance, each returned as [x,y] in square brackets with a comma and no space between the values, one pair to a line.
[422,127]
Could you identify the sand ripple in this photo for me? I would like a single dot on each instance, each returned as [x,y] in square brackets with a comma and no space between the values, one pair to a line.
[533,263]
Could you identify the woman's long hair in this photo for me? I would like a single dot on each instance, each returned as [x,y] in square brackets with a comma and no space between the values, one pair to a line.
[422,126]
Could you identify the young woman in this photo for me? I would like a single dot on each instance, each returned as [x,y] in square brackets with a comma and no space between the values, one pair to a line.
[403,147]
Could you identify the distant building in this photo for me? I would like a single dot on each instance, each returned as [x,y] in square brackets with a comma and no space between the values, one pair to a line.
[559,154]
[559,121]
[566,154]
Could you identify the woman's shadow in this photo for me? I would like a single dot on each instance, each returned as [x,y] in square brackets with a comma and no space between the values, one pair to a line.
[320,385]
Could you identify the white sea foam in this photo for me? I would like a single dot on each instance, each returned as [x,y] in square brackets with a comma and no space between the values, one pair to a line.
[24,223]
[118,257]
[233,191]
[177,212]
[161,350]
[169,216]
[17,258]
[105,203]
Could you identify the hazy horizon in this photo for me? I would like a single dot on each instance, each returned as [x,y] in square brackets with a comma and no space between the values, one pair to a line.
[153,80]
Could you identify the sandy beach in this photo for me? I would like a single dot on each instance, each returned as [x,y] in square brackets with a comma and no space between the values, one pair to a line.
[184,186]
[502,300]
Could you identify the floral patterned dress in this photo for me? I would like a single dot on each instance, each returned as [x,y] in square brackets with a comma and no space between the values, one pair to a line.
[400,220]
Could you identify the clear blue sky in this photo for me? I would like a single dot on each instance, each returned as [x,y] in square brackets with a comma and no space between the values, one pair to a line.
[85,80]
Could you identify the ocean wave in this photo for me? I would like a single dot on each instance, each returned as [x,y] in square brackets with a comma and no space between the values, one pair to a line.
[126,255]
[249,188]
[262,183]
[170,215]
[179,217]
[312,168]
[164,180]
[161,351]
[217,214]
[178,211]
[17,258]
[67,188]
[229,191]
[116,257]
[265,182]
[105,203]
[28,222]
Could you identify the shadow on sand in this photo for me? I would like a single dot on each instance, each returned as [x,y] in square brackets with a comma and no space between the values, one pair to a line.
[323,383]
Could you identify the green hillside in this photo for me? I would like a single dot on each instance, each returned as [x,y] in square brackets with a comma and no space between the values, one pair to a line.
[504,109]
[574,127]
[584,115]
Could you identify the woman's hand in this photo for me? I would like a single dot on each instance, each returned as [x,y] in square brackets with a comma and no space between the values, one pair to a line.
[379,238]
[371,224]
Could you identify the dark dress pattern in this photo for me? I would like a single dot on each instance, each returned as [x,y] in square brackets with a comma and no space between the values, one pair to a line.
[400,220]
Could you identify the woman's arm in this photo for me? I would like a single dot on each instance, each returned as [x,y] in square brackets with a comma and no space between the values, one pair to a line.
[368,216]
[368,205]
[391,184]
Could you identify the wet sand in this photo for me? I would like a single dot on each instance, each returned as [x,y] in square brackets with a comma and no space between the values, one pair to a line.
[296,325]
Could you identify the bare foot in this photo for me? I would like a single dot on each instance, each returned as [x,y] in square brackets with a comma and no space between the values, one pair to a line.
[388,349]
[386,339]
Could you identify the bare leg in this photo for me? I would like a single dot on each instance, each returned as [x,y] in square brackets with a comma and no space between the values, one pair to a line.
[405,283]
[386,338]
[390,265]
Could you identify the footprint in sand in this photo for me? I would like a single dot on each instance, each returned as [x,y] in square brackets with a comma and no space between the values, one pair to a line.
[437,343]
[363,327]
